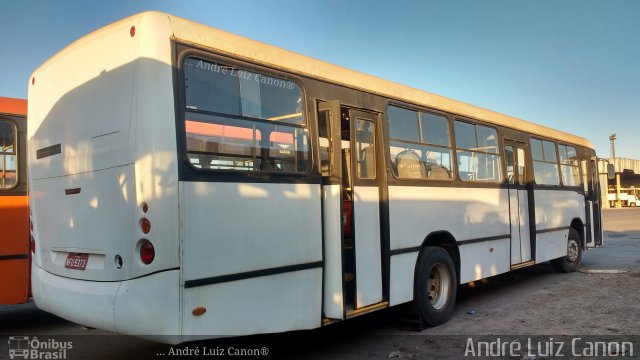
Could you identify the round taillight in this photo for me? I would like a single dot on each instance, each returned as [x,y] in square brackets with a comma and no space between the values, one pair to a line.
[145,225]
[32,242]
[145,207]
[147,252]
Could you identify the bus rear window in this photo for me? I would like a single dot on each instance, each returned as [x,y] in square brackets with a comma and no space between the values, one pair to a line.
[8,155]
[243,121]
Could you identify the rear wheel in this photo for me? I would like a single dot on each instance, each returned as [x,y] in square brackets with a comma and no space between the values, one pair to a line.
[571,262]
[435,286]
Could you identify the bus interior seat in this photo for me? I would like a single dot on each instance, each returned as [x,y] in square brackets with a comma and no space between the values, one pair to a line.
[367,163]
[439,172]
[410,166]
[194,144]
[346,168]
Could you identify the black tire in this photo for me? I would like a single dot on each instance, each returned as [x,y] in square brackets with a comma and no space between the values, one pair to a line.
[435,286]
[571,262]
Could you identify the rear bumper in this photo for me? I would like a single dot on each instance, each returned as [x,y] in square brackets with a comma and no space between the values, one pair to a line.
[148,306]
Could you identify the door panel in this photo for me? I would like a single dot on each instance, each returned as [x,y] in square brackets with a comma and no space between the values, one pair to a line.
[331,168]
[592,197]
[351,209]
[366,209]
[368,256]
[333,299]
[516,159]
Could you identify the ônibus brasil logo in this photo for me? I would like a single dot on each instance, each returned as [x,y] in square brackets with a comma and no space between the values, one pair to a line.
[25,347]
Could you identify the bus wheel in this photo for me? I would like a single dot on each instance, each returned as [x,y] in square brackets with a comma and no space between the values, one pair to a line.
[571,262]
[435,286]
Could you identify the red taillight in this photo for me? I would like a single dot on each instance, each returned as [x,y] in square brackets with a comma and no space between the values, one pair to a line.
[33,244]
[145,225]
[147,252]
[145,207]
[132,31]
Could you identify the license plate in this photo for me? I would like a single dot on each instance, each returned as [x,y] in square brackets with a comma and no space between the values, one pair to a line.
[76,261]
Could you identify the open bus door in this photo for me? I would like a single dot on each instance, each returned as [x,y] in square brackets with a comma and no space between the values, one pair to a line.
[593,206]
[351,208]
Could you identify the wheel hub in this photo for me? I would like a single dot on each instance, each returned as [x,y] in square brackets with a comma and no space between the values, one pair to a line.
[572,251]
[438,286]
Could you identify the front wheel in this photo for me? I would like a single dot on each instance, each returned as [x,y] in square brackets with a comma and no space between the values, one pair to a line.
[571,262]
[435,286]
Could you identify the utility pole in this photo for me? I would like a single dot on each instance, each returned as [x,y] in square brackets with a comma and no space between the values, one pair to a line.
[613,138]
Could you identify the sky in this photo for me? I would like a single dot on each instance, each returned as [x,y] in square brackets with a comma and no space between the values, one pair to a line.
[573,65]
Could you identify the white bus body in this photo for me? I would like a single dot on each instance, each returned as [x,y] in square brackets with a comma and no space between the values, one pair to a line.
[628,197]
[237,257]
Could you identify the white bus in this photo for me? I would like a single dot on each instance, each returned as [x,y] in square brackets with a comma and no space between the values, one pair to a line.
[192,183]
[628,197]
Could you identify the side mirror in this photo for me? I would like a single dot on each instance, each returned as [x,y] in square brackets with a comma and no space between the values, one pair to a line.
[611,172]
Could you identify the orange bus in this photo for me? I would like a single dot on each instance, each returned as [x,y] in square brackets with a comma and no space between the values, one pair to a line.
[14,203]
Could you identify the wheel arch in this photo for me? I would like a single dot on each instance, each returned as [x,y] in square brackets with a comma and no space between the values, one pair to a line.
[446,241]
[578,226]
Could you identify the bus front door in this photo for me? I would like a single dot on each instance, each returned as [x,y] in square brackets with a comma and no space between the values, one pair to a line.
[516,160]
[593,212]
[351,210]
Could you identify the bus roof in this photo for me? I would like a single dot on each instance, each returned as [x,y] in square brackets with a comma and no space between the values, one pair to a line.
[236,46]
[281,59]
[13,106]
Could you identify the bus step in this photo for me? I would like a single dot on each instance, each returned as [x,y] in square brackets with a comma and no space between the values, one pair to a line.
[348,277]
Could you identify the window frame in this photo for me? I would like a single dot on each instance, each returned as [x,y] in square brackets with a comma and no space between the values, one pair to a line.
[188,172]
[16,136]
[390,139]
[578,165]
[499,154]
[557,161]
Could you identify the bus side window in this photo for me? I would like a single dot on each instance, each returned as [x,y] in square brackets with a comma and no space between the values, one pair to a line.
[365,150]
[585,177]
[8,156]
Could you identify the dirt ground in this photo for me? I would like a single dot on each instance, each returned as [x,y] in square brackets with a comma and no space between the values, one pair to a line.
[600,302]
[540,301]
